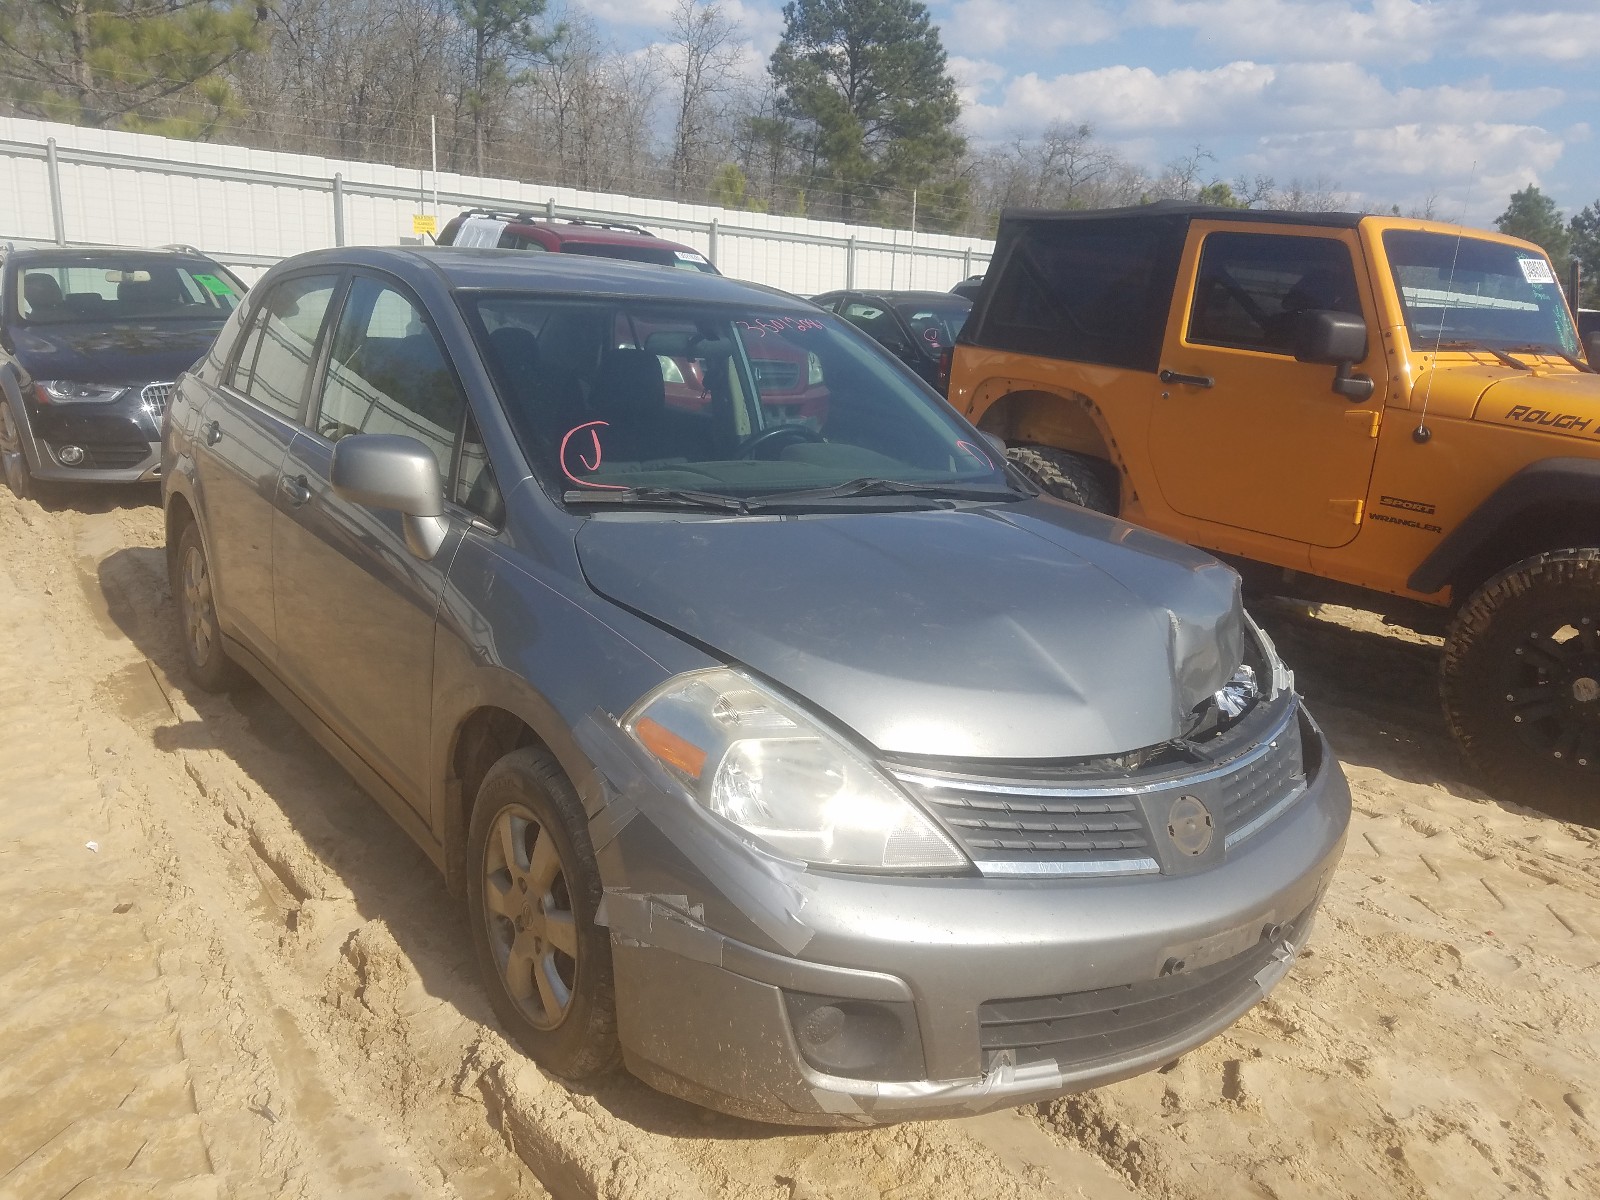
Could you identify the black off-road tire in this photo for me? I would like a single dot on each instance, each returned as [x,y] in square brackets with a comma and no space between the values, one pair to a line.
[13,459]
[529,784]
[1527,644]
[199,632]
[1076,478]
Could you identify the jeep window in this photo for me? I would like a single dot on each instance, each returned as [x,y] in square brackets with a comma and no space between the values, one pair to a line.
[273,368]
[117,288]
[620,396]
[1086,290]
[1463,292]
[387,373]
[1252,288]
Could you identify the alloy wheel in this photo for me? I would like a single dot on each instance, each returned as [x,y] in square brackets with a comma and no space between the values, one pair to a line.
[199,615]
[528,910]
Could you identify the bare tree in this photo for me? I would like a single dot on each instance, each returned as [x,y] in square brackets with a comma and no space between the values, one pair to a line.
[702,55]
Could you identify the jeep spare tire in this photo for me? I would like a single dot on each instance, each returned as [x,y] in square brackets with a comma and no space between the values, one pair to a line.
[1521,682]
[1076,478]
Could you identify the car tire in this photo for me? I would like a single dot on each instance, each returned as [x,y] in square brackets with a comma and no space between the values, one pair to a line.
[533,889]
[1076,478]
[13,460]
[200,634]
[1520,682]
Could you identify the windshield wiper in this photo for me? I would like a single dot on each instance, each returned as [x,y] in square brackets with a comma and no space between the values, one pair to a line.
[657,497]
[870,486]
[1571,360]
[1479,346]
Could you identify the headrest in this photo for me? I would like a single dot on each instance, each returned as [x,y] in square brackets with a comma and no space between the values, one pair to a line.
[41,291]
[629,384]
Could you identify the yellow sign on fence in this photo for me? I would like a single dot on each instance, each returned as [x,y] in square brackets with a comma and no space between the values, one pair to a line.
[424,223]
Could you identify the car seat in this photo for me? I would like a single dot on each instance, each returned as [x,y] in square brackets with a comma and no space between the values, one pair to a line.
[41,292]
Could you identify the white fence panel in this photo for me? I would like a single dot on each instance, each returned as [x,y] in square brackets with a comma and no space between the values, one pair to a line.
[248,208]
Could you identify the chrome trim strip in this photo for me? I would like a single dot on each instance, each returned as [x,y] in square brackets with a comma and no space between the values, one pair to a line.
[1007,868]
[960,783]
[1265,817]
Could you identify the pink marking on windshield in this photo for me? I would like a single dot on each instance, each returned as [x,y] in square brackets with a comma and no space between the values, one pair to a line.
[594,436]
[972,451]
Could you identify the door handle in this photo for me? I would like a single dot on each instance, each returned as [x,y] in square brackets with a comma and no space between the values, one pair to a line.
[295,489]
[1200,381]
[212,432]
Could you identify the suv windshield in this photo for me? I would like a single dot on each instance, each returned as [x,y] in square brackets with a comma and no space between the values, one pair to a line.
[1465,293]
[124,288]
[661,256]
[614,399]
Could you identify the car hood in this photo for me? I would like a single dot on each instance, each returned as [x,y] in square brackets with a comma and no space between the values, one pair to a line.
[1025,631]
[132,352]
[1565,403]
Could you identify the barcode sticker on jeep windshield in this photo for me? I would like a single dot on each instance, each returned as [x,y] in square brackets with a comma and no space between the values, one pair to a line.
[1536,270]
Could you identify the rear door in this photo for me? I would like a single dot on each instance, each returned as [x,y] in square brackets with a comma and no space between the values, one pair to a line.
[355,608]
[1242,434]
[244,432]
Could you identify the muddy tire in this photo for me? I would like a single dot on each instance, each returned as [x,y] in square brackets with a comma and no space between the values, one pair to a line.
[1521,682]
[199,633]
[1076,478]
[532,891]
[13,461]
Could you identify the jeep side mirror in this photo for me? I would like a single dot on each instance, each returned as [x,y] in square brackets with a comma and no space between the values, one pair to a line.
[383,470]
[1336,339]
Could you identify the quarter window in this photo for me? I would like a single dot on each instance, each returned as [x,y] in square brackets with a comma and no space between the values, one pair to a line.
[1253,287]
[388,374]
[284,342]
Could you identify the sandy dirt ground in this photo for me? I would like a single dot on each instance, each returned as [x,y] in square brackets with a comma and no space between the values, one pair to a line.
[224,972]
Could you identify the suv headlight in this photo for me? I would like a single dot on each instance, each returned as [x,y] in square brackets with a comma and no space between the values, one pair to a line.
[755,760]
[68,391]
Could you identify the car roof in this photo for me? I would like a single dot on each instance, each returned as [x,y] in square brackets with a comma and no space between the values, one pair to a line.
[1186,211]
[484,269]
[919,297]
[89,254]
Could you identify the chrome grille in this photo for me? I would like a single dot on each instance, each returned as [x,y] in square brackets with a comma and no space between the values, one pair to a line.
[1026,823]
[155,397]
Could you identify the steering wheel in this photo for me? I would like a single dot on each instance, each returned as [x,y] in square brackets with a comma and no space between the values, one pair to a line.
[778,433]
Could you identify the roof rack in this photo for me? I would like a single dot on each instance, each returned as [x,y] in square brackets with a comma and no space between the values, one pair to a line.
[181,248]
[531,218]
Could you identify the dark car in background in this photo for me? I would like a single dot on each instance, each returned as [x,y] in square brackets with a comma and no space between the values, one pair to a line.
[822,773]
[91,342]
[969,287]
[918,328]
[599,239]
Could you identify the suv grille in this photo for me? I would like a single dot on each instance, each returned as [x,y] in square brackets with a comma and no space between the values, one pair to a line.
[776,374]
[1026,823]
[155,397]
[1082,1028]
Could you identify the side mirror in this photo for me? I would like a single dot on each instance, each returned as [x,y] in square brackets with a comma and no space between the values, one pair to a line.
[1335,339]
[996,443]
[382,470]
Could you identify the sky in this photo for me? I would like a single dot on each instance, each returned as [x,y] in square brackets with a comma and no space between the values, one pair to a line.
[1448,104]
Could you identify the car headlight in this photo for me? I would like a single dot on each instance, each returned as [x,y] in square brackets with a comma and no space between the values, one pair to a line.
[69,391]
[755,760]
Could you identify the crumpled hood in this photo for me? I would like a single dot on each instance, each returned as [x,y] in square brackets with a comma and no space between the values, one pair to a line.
[120,353]
[1020,631]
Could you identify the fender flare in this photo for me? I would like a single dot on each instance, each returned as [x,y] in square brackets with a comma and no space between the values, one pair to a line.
[1549,481]
[11,396]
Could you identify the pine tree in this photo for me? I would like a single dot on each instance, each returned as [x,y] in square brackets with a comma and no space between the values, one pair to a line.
[876,108]
[1533,217]
[1584,232]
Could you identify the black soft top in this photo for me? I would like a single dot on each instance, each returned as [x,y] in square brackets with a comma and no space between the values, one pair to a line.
[1187,211]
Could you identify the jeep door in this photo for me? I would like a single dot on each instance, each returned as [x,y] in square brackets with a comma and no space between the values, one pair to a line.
[244,431]
[1242,433]
[355,608]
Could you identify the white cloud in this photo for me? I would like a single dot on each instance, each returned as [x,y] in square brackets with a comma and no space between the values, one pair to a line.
[991,26]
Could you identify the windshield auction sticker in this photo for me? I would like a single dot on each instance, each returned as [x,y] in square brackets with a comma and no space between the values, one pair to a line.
[1536,270]
[213,285]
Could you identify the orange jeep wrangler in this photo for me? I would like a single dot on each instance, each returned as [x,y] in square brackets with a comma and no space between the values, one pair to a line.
[1382,412]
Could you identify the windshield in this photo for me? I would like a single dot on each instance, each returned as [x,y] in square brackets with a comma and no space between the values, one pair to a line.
[661,256]
[117,288]
[935,323]
[614,397]
[1465,293]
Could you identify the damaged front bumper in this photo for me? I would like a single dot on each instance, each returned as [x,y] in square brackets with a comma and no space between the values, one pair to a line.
[846,1000]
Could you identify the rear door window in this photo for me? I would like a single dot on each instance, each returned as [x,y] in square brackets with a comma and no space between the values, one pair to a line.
[281,347]
[388,373]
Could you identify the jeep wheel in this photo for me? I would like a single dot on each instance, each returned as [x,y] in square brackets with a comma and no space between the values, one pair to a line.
[13,461]
[532,892]
[1521,682]
[1077,478]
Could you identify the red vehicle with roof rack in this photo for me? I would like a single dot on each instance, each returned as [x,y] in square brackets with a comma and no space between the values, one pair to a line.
[571,235]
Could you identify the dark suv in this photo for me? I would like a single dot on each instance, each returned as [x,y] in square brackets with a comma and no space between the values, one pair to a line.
[600,239]
[90,344]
